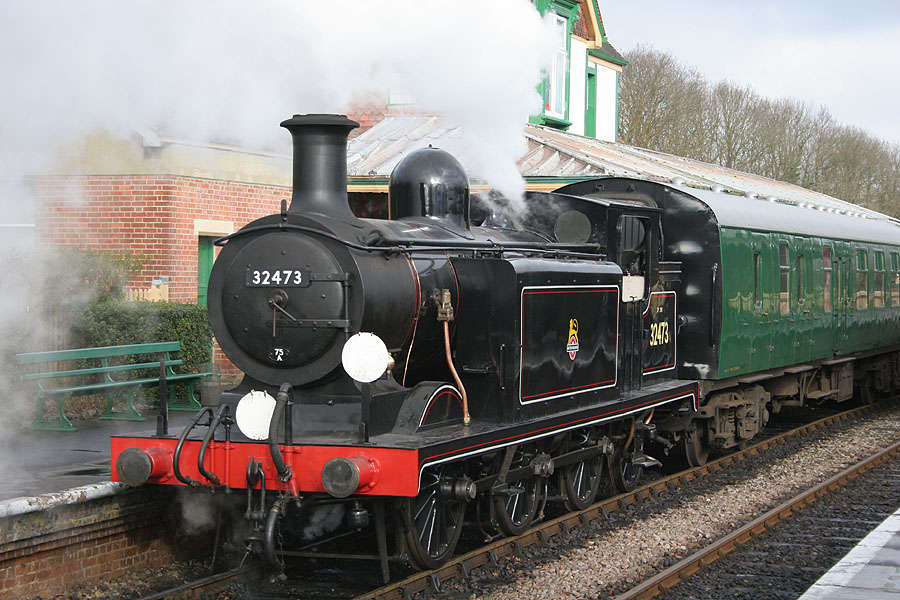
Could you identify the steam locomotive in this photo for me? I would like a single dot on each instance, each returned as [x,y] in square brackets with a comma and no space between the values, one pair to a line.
[461,358]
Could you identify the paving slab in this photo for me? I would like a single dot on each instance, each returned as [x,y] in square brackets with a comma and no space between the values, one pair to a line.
[42,462]
[870,571]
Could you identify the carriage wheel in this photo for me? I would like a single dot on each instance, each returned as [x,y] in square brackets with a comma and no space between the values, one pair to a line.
[695,453]
[623,474]
[581,481]
[516,509]
[433,522]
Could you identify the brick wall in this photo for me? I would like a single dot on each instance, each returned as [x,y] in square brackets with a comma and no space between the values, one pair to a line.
[151,215]
[582,26]
[50,552]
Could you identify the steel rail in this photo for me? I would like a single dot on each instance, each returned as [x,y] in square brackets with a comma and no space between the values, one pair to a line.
[459,567]
[199,588]
[690,565]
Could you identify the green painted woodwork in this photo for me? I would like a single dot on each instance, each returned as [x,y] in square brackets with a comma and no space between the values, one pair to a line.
[597,53]
[600,21]
[80,381]
[590,104]
[542,179]
[206,255]
[95,370]
[567,9]
[553,121]
[756,335]
[86,353]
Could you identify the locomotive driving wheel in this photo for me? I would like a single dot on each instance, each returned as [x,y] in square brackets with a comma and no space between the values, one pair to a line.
[623,473]
[581,481]
[516,507]
[433,520]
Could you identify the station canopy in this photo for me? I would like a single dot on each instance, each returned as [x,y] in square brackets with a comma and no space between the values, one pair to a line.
[554,158]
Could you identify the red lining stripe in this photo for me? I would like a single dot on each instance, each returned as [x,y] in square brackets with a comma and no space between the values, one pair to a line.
[575,292]
[512,437]
[415,312]
[434,401]
[568,389]
[659,367]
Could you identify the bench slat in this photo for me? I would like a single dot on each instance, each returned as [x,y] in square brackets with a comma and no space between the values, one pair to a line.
[95,370]
[106,351]
[126,383]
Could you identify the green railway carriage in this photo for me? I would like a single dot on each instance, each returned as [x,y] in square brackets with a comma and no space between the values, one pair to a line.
[781,303]
[800,283]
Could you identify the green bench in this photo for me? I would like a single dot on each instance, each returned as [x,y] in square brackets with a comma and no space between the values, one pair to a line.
[62,384]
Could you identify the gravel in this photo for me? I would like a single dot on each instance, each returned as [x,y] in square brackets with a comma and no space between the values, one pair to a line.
[787,559]
[609,558]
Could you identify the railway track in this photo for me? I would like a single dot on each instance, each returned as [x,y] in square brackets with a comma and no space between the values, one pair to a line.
[720,548]
[460,568]
[204,587]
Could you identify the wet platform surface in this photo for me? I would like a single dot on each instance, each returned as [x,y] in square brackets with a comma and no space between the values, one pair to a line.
[870,571]
[41,462]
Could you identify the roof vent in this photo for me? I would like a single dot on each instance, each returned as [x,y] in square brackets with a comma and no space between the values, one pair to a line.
[750,194]
[718,188]
[772,199]
[677,181]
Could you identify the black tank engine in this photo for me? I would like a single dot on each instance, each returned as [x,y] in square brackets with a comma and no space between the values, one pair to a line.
[500,357]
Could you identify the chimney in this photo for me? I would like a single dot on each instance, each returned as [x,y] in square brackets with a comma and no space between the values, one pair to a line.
[320,164]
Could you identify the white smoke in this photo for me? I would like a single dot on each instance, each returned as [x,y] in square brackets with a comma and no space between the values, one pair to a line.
[231,70]
[323,519]
[234,69]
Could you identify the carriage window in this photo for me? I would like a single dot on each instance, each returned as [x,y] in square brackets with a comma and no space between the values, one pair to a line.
[826,260]
[785,268]
[895,291]
[862,280]
[895,288]
[800,298]
[878,281]
[756,299]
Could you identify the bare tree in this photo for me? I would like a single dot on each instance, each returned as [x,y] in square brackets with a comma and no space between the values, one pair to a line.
[669,107]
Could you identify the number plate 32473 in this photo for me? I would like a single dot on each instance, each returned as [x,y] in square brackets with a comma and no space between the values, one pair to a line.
[276,277]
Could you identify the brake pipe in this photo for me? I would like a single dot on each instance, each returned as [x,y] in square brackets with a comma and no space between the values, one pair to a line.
[176,459]
[284,471]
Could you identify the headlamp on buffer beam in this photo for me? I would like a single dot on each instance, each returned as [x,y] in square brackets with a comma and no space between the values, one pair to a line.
[254,413]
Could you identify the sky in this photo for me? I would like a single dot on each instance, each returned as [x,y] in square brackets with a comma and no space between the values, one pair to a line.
[843,55]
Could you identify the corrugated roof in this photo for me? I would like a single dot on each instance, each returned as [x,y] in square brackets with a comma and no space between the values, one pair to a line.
[555,153]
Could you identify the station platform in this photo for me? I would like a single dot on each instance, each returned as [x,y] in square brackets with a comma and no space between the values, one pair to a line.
[870,571]
[47,462]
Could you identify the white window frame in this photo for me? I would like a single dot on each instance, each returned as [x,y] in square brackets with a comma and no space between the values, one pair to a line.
[556,80]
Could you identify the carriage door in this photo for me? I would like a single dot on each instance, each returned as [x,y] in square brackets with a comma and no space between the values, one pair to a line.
[842,303]
[633,254]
